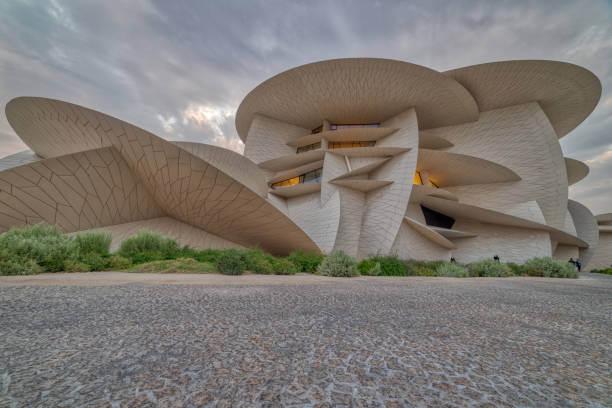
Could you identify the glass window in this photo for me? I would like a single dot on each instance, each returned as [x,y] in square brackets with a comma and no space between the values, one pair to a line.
[309,147]
[338,126]
[350,144]
[312,176]
[417,178]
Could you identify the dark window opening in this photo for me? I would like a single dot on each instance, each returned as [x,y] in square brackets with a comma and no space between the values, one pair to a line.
[437,219]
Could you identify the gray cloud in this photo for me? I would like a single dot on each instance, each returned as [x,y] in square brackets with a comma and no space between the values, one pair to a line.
[180,69]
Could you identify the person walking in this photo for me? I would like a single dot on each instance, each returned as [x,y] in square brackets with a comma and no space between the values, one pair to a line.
[578,264]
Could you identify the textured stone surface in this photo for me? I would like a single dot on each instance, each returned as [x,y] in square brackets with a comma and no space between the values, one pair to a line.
[602,258]
[357,90]
[78,191]
[184,233]
[308,341]
[190,184]
[567,93]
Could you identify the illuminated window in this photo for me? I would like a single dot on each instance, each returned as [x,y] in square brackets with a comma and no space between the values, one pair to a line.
[350,144]
[312,176]
[309,147]
[317,130]
[338,126]
[417,178]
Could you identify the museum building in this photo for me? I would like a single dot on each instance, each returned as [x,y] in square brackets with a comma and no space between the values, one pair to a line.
[367,156]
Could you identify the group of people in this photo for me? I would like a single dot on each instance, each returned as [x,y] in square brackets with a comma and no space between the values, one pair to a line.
[576,263]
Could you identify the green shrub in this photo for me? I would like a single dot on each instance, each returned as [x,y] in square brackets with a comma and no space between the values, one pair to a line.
[231,263]
[96,242]
[490,268]
[19,266]
[452,270]
[209,255]
[179,265]
[414,267]
[369,267]
[145,256]
[305,261]
[146,246]
[283,266]
[424,271]
[257,261]
[186,252]
[533,272]
[41,243]
[72,265]
[117,262]
[551,268]
[338,264]
[517,270]
[375,271]
[95,261]
[604,271]
[262,266]
[390,265]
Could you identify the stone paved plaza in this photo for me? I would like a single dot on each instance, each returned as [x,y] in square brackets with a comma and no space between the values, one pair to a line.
[304,341]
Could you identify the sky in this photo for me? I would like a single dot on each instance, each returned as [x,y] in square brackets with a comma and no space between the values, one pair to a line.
[181,68]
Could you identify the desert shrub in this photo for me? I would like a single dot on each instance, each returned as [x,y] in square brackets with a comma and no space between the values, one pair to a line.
[43,244]
[305,261]
[604,271]
[146,246]
[533,272]
[452,270]
[414,267]
[375,271]
[283,266]
[262,266]
[186,252]
[19,266]
[209,255]
[117,262]
[551,268]
[424,271]
[257,261]
[390,265]
[178,265]
[95,261]
[338,264]
[490,268]
[517,270]
[96,242]
[231,262]
[73,265]
[145,256]
[369,267]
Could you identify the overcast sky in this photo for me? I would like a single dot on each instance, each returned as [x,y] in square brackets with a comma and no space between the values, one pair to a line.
[180,69]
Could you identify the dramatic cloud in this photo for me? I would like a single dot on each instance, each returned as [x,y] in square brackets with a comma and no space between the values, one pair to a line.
[180,69]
